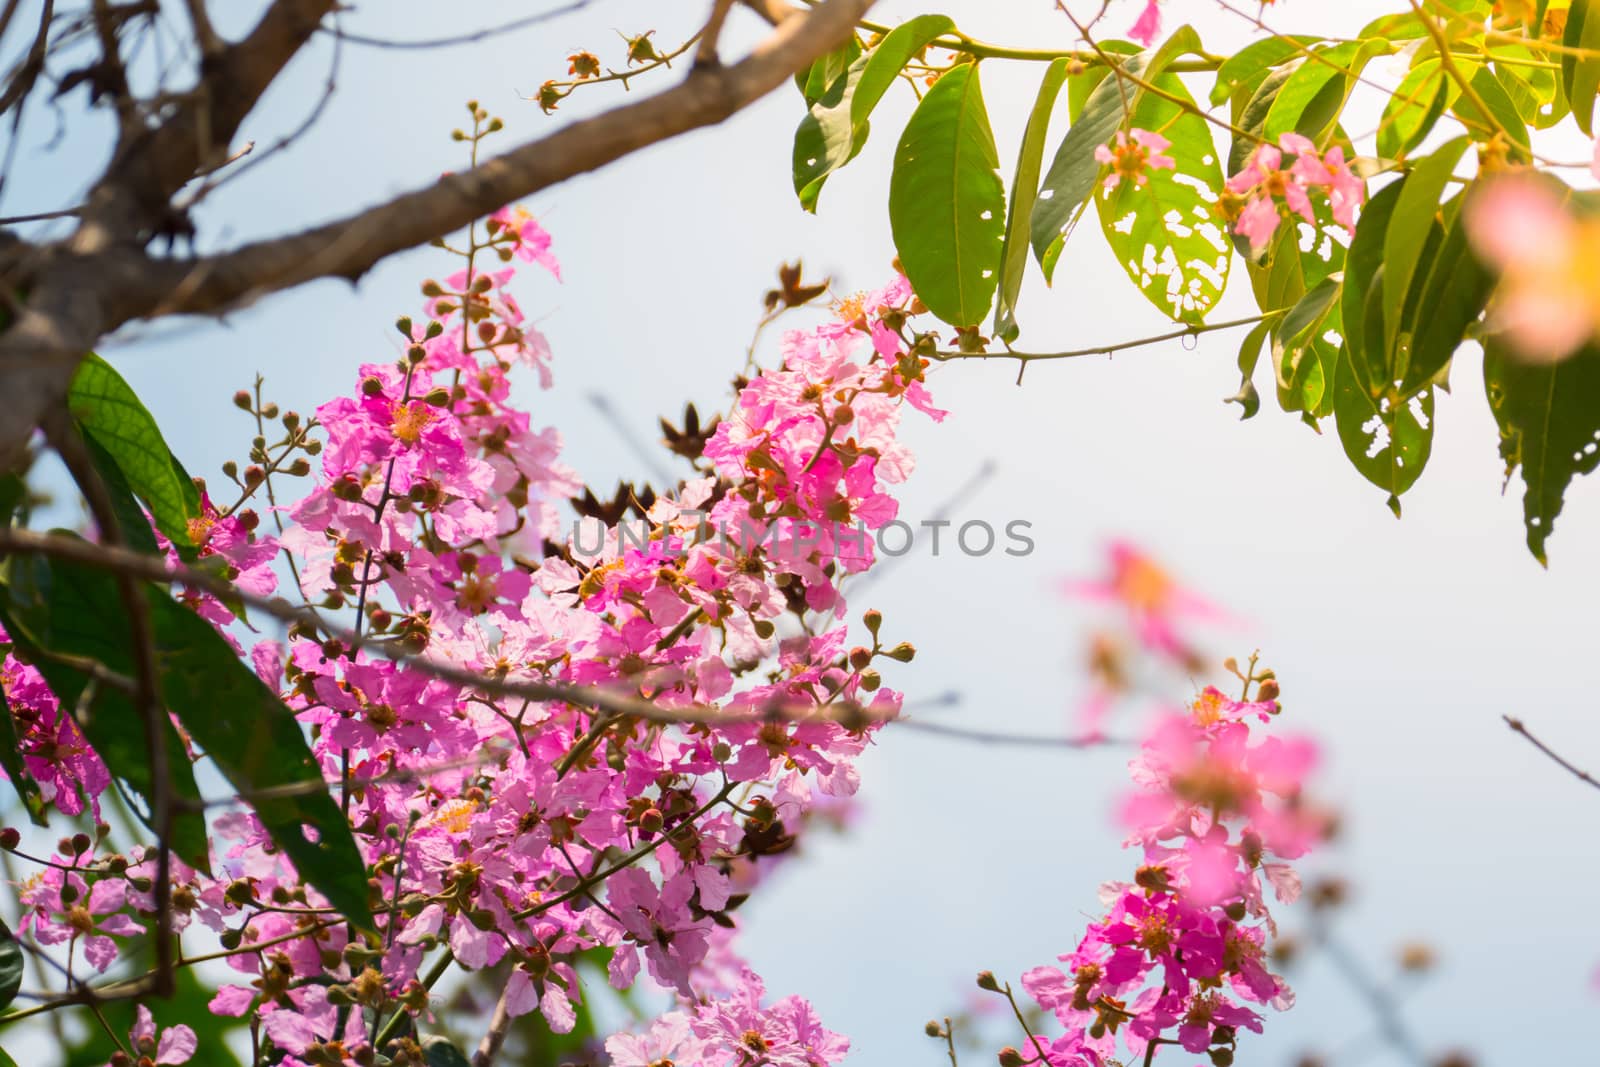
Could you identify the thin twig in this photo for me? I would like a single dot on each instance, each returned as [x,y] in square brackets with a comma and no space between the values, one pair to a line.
[1581,775]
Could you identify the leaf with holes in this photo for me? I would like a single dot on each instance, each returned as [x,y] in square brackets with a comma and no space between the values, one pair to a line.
[57,615]
[1387,438]
[1549,418]
[1166,233]
[946,201]
[109,413]
[836,127]
[1024,192]
[1074,172]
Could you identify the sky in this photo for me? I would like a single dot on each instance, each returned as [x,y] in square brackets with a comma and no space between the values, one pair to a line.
[1399,644]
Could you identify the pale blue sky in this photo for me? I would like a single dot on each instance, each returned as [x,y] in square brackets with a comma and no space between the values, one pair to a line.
[1399,643]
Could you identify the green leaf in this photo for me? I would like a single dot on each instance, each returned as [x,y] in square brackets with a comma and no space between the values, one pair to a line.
[1310,99]
[1580,74]
[11,759]
[1502,113]
[1249,355]
[1388,441]
[135,528]
[1253,118]
[1535,90]
[946,201]
[1446,304]
[109,413]
[1248,67]
[1301,356]
[1549,419]
[1074,172]
[1166,233]
[1362,278]
[1407,231]
[54,608]
[1415,108]
[1024,192]
[836,127]
[10,966]
[816,80]
[257,744]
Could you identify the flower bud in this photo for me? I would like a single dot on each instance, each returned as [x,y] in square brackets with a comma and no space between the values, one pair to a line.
[872,620]
[902,653]
[242,400]
[859,658]
[1222,1057]
[1268,690]
[871,680]
[1010,1057]
[10,838]
[765,629]
[986,980]
[438,397]
[650,822]
[932,1029]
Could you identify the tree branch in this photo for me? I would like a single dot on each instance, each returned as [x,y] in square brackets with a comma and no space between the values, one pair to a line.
[349,247]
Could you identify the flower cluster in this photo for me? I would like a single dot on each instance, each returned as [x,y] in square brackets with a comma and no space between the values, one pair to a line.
[1179,956]
[1259,195]
[500,830]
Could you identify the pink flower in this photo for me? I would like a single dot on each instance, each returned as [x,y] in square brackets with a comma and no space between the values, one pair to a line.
[176,1044]
[1131,154]
[1148,25]
[1548,299]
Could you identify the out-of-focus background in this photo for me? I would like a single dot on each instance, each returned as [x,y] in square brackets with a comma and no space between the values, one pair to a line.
[1399,643]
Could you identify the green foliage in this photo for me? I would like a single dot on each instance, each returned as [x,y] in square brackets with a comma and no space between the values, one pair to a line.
[836,127]
[946,201]
[1580,74]
[129,448]
[1024,194]
[1074,172]
[1549,419]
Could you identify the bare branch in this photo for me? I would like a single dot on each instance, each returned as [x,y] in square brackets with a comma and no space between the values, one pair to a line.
[1581,775]
[706,55]
[349,247]
[460,39]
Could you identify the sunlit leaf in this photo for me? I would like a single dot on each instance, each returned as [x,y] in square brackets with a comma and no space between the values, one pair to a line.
[1024,192]
[946,201]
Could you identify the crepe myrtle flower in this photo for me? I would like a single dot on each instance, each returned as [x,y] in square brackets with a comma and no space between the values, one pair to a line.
[1132,155]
